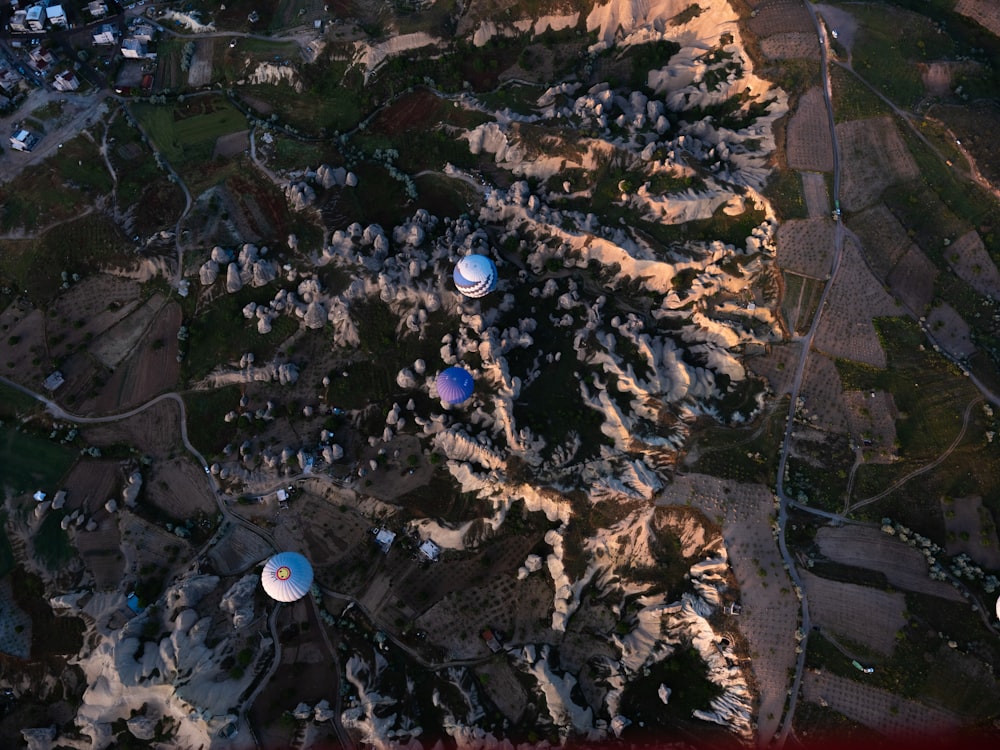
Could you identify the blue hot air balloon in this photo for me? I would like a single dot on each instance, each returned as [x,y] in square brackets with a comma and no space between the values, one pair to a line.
[475,275]
[454,385]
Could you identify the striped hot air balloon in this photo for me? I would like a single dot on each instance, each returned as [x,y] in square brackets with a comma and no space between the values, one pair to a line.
[454,385]
[287,576]
[475,276]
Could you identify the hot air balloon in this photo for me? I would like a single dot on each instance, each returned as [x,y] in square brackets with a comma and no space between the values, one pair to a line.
[454,385]
[475,276]
[287,576]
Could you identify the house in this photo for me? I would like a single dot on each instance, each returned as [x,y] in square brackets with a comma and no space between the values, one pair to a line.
[35,18]
[384,539]
[10,80]
[105,34]
[492,641]
[24,140]
[67,80]
[56,15]
[282,498]
[143,31]
[19,21]
[136,49]
[430,550]
[97,8]
[41,59]
[55,378]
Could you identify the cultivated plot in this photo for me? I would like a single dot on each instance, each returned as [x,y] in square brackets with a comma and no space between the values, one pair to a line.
[810,146]
[876,708]
[859,613]
[883,238]
[971,530]
[912,279]
[805,246]
[846,328]
[873,157]
[823,394]
[968,258]
[791,45]
[816,194]
[866,547]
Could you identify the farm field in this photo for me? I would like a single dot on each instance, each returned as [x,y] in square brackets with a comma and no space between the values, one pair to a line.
[864,547]
[810,147]
[883,239]
[31,462]
[846,328]
[873,157]
[805,247]
[187,132]
[861,614]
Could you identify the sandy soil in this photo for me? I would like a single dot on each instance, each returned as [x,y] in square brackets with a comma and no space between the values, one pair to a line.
[984,12]
[200,73]
[873,156]
[912,279]
[805,246]
[810,146]
[816,195]
[971,518]
[859,613]
[781,16]
[846,328]
[870,548]
[791,45]
[230,145]
[887,713]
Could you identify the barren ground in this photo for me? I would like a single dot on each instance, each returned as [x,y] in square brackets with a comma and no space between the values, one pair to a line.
[951,332]
[984,12]
[816,195]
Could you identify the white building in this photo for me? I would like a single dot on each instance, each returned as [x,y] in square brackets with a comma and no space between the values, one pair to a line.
[66,81]
[105,34]
[19,21]
[136,49]
[35,18]
[97,8]
[23,140]
[56,15]
[143,31]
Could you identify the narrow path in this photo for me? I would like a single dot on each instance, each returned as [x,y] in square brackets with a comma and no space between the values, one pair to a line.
[923,469]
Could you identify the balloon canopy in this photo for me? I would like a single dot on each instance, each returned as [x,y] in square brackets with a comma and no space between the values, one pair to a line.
[454,385]
[475,275]
[287,576]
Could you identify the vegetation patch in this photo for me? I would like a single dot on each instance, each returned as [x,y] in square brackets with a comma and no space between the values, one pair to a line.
[186,131]
[29,462]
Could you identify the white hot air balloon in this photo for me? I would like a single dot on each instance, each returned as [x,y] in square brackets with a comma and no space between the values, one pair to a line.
[287,576]
[475,275]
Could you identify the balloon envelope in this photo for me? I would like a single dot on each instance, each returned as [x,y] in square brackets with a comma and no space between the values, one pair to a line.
[287,576]
[475,275]
[454,385]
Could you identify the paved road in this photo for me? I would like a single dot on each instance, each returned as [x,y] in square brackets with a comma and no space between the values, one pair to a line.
[807,340]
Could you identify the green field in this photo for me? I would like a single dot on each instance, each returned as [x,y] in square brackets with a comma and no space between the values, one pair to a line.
[29,463]
[187,131]
[14,403]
